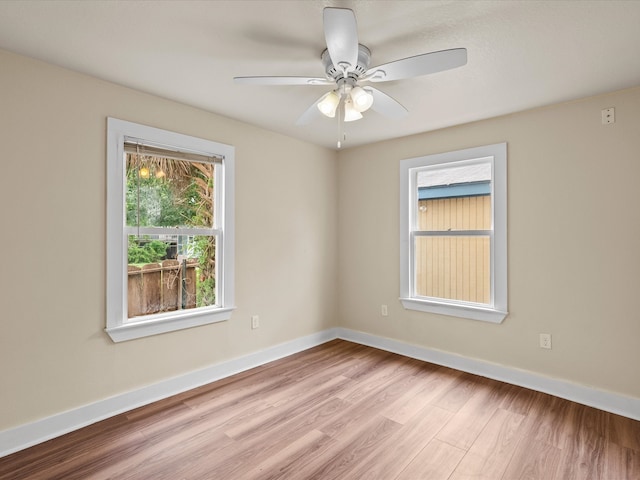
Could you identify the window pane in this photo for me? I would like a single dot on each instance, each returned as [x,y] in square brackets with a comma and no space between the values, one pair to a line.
[170,272]
[453,268]
[454,198]
[163,192]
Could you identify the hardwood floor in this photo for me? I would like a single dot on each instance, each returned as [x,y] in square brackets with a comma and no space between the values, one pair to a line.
[345,411]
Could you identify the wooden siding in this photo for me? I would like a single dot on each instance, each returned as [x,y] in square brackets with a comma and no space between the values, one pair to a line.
[456,268]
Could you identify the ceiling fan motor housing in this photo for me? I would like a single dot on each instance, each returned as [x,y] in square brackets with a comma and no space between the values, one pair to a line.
[364,57]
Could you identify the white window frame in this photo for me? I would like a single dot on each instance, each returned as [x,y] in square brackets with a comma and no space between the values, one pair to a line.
[119,327]
[496,310]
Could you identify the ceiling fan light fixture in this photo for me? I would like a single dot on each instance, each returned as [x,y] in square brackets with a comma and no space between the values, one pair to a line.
[362,100]
[329,104]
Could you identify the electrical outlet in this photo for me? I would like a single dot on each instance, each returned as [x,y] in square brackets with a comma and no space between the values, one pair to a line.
[384,311]
[255,322]
[545,340]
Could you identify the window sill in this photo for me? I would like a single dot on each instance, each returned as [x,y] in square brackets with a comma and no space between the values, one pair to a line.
[140,329]
[463,311]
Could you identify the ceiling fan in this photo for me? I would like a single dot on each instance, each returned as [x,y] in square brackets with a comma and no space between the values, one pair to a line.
[346,64]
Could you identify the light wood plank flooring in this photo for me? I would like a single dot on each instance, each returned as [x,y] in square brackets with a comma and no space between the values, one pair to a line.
[345,411]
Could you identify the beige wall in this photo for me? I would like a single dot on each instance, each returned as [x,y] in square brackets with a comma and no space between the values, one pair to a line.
[54,354]
[574,243]
[316,243]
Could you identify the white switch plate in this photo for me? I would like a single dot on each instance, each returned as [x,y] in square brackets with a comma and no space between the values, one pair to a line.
[255,321]
[608,116]
[545,340]
[384,311]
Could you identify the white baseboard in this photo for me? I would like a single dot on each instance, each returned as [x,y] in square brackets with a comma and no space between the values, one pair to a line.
[30,434]
[600,399]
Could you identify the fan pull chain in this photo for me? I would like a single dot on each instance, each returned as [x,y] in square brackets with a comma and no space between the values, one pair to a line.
[341,135]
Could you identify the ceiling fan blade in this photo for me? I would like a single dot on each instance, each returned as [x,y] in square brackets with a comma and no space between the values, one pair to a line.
[419,65]
[384,104]
[311,113]
[282,81]
[341,35]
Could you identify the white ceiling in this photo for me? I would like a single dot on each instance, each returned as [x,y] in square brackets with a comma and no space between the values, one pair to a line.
[521,54]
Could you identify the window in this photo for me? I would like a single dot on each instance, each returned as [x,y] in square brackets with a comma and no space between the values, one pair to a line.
[453,233]
[169,231]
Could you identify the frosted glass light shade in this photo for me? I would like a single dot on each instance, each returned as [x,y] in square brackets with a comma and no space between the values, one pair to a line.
[350,113]
[362,100]
[329,104]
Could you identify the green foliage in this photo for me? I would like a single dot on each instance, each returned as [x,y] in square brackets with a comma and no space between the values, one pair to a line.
[204,248]
[149,252]
[160,202]
[206,292]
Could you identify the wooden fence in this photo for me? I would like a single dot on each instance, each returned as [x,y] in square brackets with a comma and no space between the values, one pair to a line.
[456,268]
[161,287]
